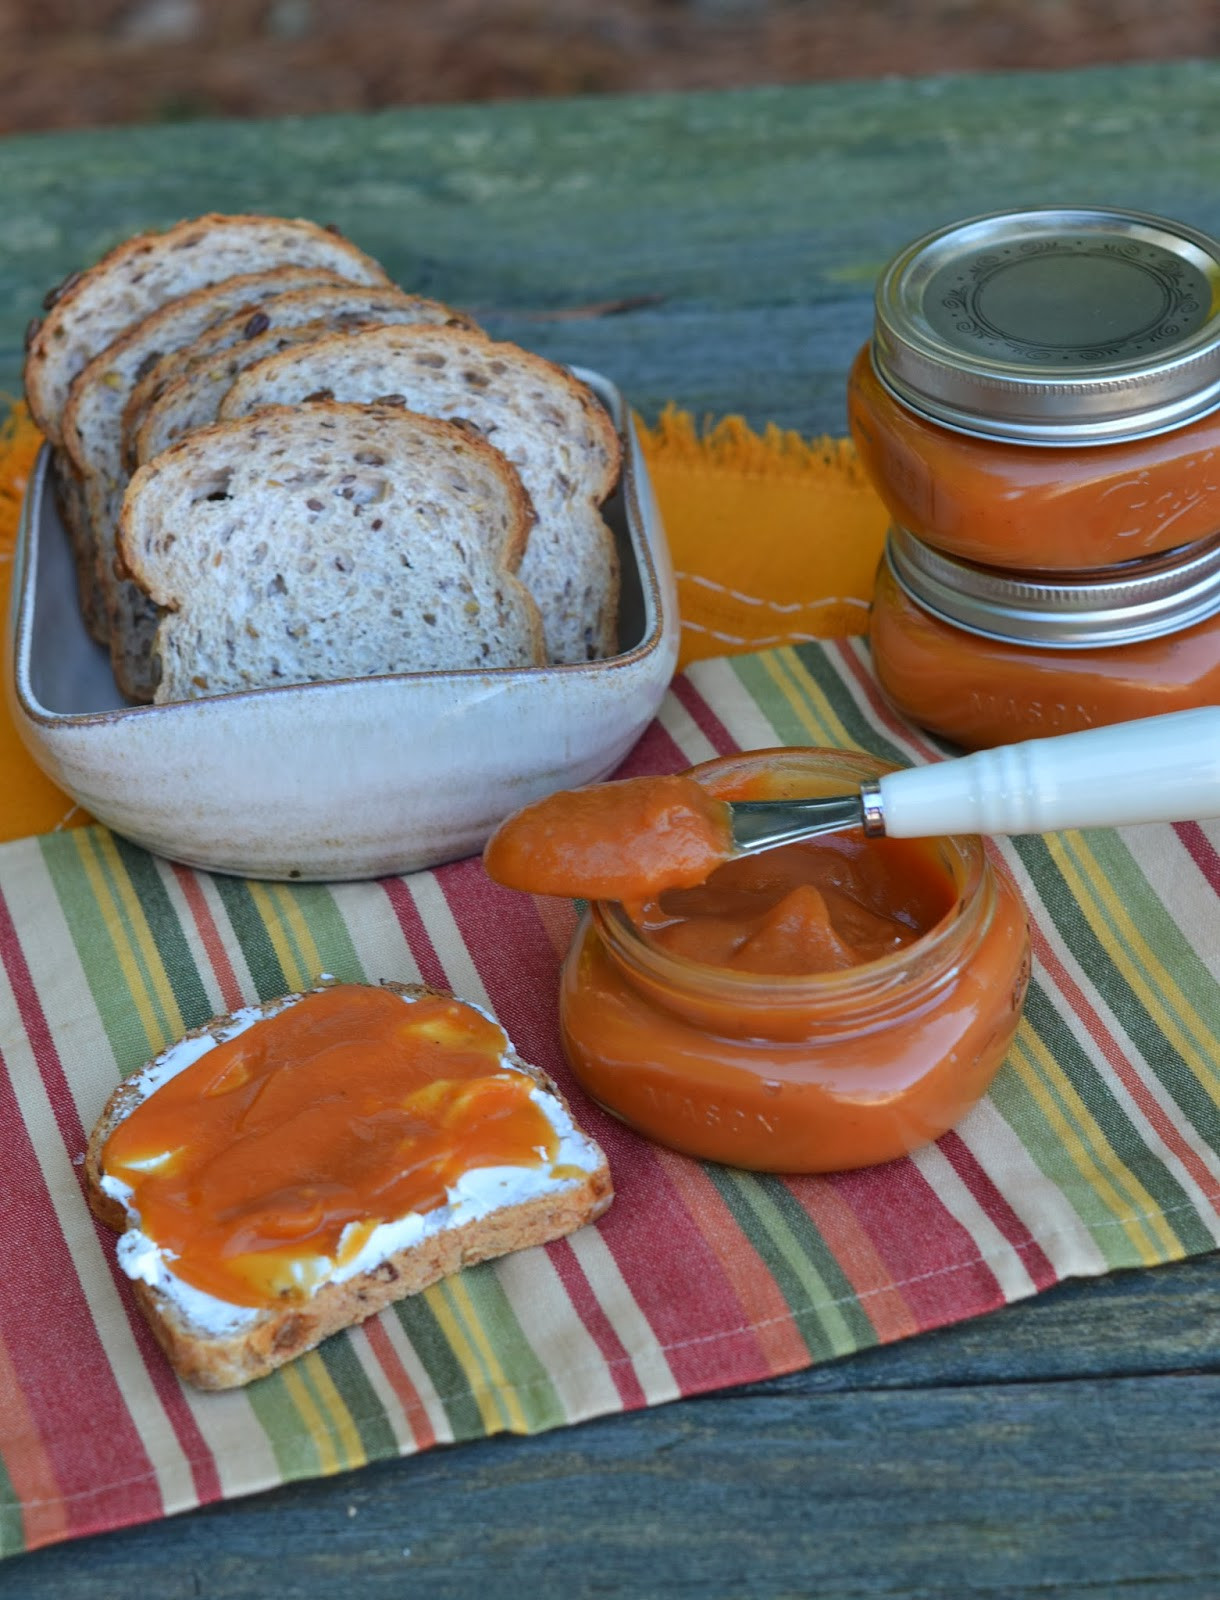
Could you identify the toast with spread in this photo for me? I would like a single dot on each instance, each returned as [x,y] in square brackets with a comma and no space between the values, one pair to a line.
[290,1169]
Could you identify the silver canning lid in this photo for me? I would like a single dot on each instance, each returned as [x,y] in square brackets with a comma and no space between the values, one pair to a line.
[1067,611]
[1058,326]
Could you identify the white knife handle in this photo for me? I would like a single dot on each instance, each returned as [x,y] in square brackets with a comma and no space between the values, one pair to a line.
[1157,769]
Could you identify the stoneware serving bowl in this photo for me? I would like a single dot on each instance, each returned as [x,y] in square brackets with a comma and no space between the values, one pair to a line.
[353,779]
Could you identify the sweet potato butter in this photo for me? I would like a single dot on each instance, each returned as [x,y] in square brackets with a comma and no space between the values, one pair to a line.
[1042,388]
[823,1005]
[266,1164]
[985,656]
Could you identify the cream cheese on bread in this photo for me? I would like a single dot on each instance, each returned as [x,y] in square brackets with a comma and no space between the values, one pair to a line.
[476,1195]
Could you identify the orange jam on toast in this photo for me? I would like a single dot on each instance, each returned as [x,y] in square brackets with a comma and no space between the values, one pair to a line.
[271,1158]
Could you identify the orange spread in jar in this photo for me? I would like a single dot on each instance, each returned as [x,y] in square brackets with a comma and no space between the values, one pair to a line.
[1014,505]
[821,905]
[820,1006]
[612,841]
[978,691]
[273,1156]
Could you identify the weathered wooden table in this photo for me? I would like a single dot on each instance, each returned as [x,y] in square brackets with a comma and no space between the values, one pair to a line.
[1068,1446]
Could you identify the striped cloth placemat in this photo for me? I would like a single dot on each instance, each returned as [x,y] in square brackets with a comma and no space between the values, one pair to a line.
[1097,1147]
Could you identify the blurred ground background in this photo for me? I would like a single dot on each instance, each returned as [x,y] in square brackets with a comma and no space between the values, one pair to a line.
[72,63]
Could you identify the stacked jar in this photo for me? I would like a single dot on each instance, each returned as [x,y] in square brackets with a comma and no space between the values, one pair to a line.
[1039,409]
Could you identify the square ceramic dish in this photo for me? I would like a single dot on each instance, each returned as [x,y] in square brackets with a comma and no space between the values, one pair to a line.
[353,779]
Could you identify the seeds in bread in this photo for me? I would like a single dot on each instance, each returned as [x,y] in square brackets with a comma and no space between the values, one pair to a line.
[192,400]
[92,417]
[550,427]
[325,542]
[215,1345]
[90,310]
[252,339]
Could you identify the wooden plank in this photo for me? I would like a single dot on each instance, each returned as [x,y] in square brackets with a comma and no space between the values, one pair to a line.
[757,218]
[1067,1445]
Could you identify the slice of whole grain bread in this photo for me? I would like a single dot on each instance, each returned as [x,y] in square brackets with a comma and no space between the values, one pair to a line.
[551,427]
[90,309]
[97,396]
[252,338]
[237,1344]
[331,541]
[192,399]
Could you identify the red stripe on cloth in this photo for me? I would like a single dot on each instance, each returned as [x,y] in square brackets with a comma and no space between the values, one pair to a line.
[1123,1068]
[418,1420]
[997,1210]
[44,1516]
[856,1255]
[1201,851]
[930,1256]
[655,751]
[702,715]
[414,932]
[84,1431]
[107,1409]
[209,936]
[598,1325]
[681,1290]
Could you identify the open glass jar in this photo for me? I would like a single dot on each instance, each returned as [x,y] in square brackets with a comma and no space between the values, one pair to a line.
[982,656]
[1042,389]
[804,1071]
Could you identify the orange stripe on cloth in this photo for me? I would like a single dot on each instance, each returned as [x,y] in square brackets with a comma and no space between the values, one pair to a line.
[43,1513]
[762,1300]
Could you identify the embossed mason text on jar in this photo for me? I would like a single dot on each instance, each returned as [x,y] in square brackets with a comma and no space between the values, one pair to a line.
[1042,389]
[983,656]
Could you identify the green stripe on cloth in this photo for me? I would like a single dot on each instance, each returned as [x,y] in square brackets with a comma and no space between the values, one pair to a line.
[420,1323]
[1098,1147]
[12,1522]
[1073,1125]
[796,1255]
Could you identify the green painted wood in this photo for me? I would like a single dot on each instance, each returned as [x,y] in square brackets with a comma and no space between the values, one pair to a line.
[758,218]
[1065,1446]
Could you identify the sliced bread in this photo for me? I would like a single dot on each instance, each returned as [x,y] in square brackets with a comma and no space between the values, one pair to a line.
[489,1211]
[550,426]
[325,542]
[192,400]
[90,309]
[251,338]
[92,417]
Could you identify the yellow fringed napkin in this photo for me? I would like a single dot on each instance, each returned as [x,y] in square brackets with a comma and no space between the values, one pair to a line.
[775,539]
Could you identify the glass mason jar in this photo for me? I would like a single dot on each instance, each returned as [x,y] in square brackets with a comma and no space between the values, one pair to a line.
[1042,389]
[812,1072]
[982,656]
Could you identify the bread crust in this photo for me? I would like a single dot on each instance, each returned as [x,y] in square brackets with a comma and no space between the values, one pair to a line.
[272,1337]
[60,346]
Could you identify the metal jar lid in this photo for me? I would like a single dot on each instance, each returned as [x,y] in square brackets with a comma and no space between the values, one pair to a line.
[1064,611]
[1056,326]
